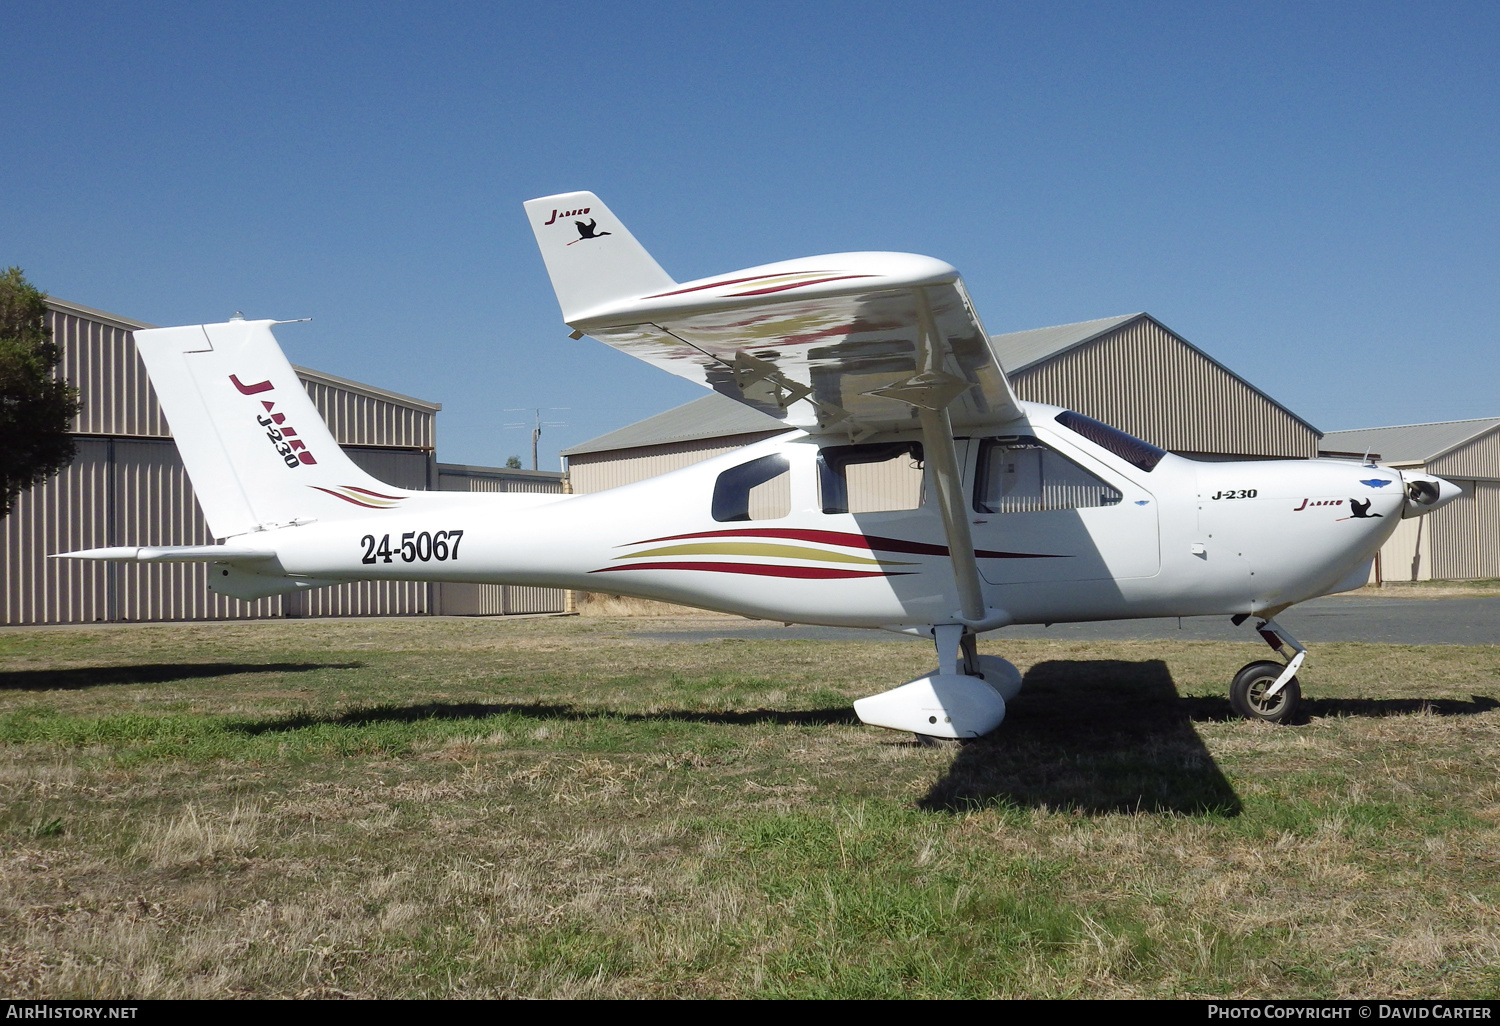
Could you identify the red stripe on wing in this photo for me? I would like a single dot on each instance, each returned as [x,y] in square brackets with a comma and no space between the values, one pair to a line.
[731,281]
[800,284]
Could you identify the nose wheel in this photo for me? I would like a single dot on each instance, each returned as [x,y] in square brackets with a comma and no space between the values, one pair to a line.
[1266,690]
[1250,694]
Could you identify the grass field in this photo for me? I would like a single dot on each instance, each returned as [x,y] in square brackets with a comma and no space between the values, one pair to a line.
[556,807]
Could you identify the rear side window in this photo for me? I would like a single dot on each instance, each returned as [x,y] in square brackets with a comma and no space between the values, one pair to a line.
[870,478]
[1021,475]
[1128,447]
[758,490]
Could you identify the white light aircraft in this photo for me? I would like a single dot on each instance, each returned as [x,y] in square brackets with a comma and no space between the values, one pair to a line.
[911,491]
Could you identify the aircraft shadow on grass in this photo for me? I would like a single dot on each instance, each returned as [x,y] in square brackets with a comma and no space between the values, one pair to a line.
[1112,736]
[1091,737]
[80,677]
[541,711]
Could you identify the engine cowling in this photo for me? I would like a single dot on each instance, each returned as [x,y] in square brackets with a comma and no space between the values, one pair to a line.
[1425,493]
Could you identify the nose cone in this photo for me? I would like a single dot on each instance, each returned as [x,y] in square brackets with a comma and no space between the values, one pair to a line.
[1426,492]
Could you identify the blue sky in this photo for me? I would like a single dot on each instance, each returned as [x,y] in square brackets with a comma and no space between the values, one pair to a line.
[1308,191]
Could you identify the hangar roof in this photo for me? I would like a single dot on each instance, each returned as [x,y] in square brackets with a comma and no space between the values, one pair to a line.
[1019,350]
[1408,443]
[713,416]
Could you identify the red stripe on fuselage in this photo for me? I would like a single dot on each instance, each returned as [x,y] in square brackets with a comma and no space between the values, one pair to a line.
[874,543]
[378,495]
[356,502]
[757,570]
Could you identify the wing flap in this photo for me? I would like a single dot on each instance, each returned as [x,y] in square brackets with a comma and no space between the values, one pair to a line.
[813,362]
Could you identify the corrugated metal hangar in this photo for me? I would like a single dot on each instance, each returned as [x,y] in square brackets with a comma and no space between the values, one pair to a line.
[1131,371]
[1460,541]
[128,486]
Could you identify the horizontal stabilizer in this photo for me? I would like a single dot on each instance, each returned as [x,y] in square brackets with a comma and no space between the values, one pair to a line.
[170,554]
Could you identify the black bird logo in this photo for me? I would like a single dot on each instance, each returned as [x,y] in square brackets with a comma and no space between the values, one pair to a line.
[1360,511]
[589,231]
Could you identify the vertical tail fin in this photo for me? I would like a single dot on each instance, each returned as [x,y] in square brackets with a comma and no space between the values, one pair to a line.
[251,439]
[591,256]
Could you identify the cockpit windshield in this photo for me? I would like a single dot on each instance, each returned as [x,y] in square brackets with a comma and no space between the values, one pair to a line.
[1128,447]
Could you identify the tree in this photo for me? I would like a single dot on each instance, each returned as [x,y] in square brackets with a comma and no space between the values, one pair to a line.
[513,463]
[36,408]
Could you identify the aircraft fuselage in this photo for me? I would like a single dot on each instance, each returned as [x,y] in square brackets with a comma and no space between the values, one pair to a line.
[1186,538]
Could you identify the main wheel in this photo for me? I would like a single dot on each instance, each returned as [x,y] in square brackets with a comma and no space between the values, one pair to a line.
[1000,674]
[1247,695]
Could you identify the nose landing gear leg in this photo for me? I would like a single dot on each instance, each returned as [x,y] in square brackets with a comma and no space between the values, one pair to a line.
[1265,690]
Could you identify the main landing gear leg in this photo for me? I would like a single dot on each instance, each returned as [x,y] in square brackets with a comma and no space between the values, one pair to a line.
[1265,690]
[965,698]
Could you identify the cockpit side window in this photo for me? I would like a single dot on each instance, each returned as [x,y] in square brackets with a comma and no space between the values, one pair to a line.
[1020,474]
[1129,448]
[870,478]
[758,490]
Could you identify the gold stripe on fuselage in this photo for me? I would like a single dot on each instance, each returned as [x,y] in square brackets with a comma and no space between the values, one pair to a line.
[762,549]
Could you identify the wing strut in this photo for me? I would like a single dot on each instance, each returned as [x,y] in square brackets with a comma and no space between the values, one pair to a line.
[930,391]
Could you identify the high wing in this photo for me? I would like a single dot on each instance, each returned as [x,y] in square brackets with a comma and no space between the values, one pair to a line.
[850,342]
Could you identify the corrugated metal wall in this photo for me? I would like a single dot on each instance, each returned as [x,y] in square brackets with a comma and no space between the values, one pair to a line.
[1144,380]
[364,598]
[123,491]
[101,362]
[1405,555]
[1487,516]
[1461,541]
[497,599]
[46,519]
[154,505]
[359,419]
[117,492]
[407,469]
[1478,459]
[1466,533]
[1455,534]
[597,472]
[892,484]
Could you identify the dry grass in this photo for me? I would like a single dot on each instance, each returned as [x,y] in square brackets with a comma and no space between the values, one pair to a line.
[567,808]
[1431,589]
[597,603]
